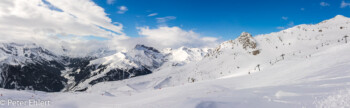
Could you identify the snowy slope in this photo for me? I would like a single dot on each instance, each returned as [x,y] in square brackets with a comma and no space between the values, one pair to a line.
[308,83]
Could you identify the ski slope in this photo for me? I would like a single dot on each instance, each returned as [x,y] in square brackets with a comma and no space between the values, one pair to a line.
[319,81]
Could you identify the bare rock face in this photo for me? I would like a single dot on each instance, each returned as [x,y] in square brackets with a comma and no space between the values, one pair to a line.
[247,41]
[244,43]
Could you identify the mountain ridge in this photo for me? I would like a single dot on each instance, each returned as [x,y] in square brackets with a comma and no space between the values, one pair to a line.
[246,54]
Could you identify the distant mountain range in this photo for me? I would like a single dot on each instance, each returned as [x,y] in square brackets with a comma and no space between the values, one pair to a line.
[32,67]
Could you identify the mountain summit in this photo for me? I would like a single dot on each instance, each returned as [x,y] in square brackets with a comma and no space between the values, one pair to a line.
[247,41]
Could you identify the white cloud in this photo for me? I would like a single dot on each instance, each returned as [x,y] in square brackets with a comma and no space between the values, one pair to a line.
[165,19]
[324,4]
[163,37]
[72,17]
[87,11]
[110,2]
[280,28]
[162,20]
[122,9]
[152,14]
[174,37]
[291,23]
[344,4]
[302,9]
[55,23]
[285,18]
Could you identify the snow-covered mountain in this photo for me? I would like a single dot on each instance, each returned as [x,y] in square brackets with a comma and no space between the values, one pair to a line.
[33,67]
[17,53]
[141,60]
[293,56]
[184,55]
[303,66]
[28,66]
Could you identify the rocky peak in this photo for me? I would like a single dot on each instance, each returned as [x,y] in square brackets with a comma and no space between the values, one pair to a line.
[247,41]
[143,47]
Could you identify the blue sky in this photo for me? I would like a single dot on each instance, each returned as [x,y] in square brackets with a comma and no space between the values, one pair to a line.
[225,19]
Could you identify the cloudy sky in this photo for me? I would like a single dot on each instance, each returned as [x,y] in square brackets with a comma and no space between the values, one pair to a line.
[223,18]
[159,23]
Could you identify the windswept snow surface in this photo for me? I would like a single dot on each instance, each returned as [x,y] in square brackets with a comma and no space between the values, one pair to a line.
[304,66]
